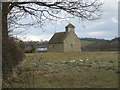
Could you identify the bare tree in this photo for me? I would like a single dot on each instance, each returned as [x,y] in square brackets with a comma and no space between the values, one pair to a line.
[40,12]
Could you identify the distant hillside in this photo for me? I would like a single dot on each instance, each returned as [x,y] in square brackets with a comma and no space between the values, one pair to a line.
[93,39]
[89,41]
[100,44]
[86,42]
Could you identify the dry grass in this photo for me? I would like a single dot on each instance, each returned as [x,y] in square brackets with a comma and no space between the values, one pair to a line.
[67,70]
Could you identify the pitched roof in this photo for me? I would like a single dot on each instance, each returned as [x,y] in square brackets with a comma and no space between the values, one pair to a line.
[58,38]
[70,25]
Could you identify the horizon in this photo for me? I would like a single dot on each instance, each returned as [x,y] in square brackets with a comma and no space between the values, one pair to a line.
[78,37]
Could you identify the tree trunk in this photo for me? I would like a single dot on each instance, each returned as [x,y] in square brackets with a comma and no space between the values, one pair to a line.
[5,38]
[5,11]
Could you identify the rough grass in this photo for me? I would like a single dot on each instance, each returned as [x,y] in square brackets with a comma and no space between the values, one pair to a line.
[67,70]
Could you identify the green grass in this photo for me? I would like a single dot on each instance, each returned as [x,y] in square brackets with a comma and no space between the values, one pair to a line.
[67,70]
[85,43]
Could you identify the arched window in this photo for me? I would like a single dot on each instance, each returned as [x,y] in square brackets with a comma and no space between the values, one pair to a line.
[53,46]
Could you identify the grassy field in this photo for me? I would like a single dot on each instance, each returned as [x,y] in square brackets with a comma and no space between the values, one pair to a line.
[85,42]
[67,70]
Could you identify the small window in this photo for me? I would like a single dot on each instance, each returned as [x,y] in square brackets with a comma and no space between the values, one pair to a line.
[53,46]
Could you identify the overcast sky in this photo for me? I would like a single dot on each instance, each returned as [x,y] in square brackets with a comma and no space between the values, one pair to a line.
[104,28]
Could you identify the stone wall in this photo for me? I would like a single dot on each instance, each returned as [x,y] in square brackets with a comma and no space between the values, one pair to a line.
[72,43]
[55,47]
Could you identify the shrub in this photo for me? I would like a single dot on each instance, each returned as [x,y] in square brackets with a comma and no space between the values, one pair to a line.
[12,55]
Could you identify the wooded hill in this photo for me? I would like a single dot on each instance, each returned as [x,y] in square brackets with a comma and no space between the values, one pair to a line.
[100,44]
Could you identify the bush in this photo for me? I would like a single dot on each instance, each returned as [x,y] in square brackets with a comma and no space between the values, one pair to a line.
[12,55]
